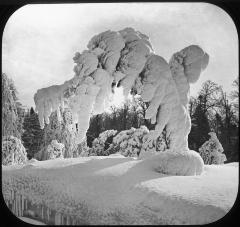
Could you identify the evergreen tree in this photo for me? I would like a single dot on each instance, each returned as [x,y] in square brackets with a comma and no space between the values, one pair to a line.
[10,119]
[94,128]
[33,134]
[200,126]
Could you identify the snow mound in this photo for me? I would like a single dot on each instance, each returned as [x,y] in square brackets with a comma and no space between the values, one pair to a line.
[123,190]
[188,163]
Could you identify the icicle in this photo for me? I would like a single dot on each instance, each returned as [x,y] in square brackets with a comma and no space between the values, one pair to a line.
[25,205]
[48,215]
[18,205]
[22,204]
[15,203]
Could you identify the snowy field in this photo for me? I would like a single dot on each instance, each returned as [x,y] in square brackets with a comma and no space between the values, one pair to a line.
[118,190]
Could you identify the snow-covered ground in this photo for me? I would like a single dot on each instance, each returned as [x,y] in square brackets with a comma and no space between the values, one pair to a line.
[122,190]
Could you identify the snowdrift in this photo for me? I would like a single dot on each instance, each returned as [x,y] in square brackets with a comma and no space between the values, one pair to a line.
[117,190]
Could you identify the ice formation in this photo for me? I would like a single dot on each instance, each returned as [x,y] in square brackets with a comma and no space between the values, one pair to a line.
[212,151]
[126,58]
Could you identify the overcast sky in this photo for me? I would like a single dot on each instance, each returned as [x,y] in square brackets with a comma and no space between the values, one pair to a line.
[39,41]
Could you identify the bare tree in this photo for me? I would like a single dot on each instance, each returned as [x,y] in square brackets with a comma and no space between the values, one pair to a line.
[209,95]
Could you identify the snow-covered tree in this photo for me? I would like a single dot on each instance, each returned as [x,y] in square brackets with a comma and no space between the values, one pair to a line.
[10,119]
[101,144]
[235,97]
[162,142]
[82,148]
[63,131]
[13,152]
[152,145]
[54,150]
[212,151]
[129,142]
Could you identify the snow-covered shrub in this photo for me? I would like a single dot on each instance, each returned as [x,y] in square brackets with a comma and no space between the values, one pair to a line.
[55,150]
[13,152]
[129,142]
[212,151]
[101,144]
[83,149]
[162,142]
[149,144]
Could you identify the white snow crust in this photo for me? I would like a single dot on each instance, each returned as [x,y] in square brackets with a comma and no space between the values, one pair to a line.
[123,190]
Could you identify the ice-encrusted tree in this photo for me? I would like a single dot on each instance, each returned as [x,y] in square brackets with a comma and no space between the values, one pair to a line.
[13,152]
[126,58]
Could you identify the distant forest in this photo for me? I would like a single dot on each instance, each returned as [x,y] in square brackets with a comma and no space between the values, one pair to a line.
[211,110]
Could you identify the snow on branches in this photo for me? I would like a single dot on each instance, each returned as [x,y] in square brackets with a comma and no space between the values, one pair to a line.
[212,151]
[99,144]
[55,150]
[128,142]
[135,142]
[13,152]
